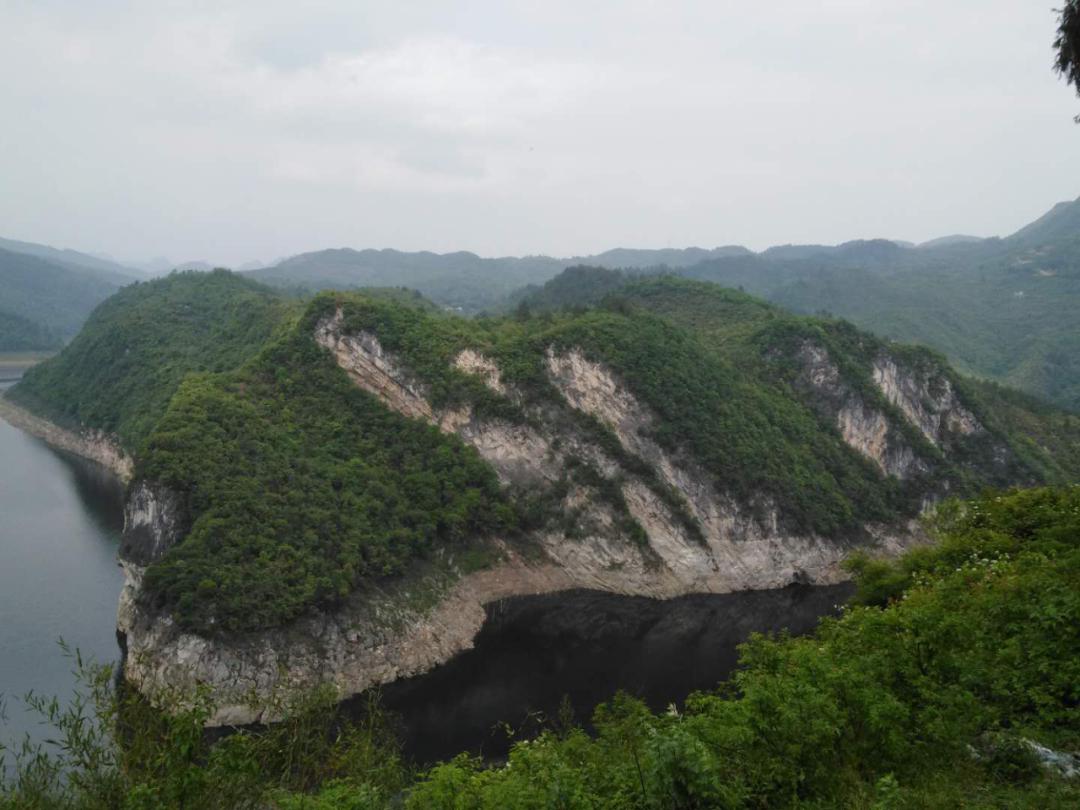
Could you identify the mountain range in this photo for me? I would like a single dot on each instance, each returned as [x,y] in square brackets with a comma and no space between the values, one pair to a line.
[1006,309]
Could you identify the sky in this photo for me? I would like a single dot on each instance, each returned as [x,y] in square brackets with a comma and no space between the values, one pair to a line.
[248,131]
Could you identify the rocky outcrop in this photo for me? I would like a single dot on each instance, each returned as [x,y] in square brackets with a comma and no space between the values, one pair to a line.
[472,362]
[379,637]
[363,359]
[154,521]
[863,426]
[95,445]
[424,619]
[928,400]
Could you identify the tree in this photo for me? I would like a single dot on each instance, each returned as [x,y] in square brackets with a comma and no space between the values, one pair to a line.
[1067,45]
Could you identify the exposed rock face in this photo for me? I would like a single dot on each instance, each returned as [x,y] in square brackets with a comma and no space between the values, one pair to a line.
[383,635]
[929,402]
[472,362]
[363,359]
[376,639]
[95,445]
[154,521]
[926,401]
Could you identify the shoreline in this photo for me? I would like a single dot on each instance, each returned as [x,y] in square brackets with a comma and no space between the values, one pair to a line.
[92,445]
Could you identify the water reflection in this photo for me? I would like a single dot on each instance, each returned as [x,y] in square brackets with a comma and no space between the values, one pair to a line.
[584,645]
[60,519]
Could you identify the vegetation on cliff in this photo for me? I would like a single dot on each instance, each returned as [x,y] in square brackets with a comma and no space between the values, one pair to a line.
[928,692]
[299,489]
[302,486]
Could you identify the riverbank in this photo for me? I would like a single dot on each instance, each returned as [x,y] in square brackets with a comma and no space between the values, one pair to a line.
[94,445]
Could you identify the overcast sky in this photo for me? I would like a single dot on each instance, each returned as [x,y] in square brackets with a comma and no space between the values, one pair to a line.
[233,131]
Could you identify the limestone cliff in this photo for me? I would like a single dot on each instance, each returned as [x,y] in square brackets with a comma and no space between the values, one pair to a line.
[694,537]
[903,419]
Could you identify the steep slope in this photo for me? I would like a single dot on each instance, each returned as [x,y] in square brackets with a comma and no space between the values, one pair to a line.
[822,359]
[333,495]
[54,298]
[1004,309]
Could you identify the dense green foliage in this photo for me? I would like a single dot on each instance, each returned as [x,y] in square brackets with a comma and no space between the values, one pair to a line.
[298,489]
[137,347]
[923,694]
[43,302]
[761,342]
[577,286]
[757,442]
[921,703]
[302,486]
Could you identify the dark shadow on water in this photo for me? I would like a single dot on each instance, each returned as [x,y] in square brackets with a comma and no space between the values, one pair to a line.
[100,491]
[584,645]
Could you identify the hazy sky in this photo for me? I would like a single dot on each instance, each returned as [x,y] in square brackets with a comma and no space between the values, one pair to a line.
[238,130]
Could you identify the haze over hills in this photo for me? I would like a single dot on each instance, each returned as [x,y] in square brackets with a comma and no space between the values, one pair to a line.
[1007,309]
[1004,308]
[46,294]
[65,257]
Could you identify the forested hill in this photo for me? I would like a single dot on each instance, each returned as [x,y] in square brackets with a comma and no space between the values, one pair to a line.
[461,281]
[299,484]
[47,294]
[119,374]
[1006,309]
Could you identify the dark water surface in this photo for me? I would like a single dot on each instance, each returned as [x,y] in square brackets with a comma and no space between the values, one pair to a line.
[585,645]
[60,519]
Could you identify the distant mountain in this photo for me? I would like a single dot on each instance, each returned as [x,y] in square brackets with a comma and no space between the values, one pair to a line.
[669,257]
[44,301]
[460,281]
[72,258]
[1062,222]
[1005,309]
[954,239]
[18,334]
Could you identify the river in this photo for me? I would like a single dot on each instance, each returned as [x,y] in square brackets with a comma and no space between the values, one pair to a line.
[60,521]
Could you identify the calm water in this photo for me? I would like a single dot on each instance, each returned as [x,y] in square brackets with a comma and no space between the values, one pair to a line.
[584,645]
[60,519]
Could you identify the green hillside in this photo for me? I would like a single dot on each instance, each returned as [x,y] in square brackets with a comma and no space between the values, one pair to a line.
[136,348]
[300,488]
[461,281]
[65,257]
[752,335]
[1005,309]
